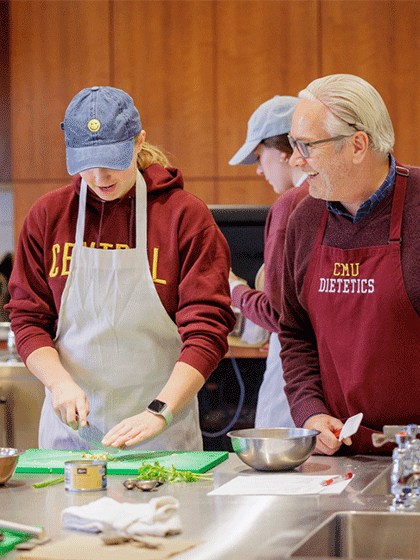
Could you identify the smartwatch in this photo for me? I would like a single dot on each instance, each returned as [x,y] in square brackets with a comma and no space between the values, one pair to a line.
[161,409]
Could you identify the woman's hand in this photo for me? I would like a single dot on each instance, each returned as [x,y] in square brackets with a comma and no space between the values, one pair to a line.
[183,384]
[70,403]
[134,430]
[233,277]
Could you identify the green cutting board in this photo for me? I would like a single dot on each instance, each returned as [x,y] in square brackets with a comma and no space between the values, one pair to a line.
[125,462]
[11,539]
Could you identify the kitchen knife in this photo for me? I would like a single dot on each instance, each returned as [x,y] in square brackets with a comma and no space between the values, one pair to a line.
[351,425]
[93,435]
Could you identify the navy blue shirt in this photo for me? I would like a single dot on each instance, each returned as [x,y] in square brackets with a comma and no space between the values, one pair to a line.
[369,204]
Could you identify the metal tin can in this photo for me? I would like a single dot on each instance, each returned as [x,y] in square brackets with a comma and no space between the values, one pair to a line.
[85,476]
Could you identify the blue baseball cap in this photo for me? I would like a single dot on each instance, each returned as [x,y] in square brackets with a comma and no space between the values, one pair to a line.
[272,118]
[100,125]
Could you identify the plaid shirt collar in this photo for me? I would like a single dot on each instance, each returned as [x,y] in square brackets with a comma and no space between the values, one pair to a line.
[371,203]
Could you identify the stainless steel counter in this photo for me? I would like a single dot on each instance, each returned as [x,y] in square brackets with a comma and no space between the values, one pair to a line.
[232,527]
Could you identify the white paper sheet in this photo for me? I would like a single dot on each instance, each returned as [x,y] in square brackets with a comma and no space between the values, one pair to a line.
[285,484]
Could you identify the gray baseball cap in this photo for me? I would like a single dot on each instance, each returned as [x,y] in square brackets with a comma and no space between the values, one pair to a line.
[272,118]
[100,125]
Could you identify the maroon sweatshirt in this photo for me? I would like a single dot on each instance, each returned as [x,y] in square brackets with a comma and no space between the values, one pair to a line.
[193,261]
[263,308]
[298,342]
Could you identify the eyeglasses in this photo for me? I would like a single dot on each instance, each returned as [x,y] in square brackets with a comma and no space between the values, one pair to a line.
[303,147]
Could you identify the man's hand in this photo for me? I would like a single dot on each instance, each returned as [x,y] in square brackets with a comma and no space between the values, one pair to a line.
[326,442]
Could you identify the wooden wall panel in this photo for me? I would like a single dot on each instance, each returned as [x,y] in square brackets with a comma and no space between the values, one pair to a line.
[259,55]
[26,193]
[197,69]
[205,189]
[57,48]
[264,48]
[383,39]
[5,152]
[164,59]
[251,190]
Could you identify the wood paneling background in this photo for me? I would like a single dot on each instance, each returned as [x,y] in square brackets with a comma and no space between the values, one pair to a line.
[5,151]
[197,69]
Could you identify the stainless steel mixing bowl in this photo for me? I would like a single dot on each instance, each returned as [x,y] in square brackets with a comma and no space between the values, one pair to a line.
[8,462]
[273,449]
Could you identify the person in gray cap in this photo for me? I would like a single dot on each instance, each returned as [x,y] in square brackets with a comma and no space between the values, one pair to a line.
[267,145]
[120,298]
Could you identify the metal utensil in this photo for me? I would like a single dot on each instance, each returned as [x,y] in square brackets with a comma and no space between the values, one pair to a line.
[273,449]
[388,435]
[351,425]
[147,485]
[94,436]
[144,485]
[9,457]
[38,532]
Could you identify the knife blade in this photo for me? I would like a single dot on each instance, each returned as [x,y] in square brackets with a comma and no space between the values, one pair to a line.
[93,435]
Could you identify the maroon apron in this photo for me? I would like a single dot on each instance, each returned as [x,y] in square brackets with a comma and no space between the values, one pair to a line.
[367,331]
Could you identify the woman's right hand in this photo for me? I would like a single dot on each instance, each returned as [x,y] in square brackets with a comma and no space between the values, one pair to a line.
[70,403]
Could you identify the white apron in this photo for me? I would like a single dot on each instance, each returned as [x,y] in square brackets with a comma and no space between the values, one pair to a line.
[116,340]
[272,407]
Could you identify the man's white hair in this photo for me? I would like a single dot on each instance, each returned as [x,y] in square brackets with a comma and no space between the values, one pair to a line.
[353,104]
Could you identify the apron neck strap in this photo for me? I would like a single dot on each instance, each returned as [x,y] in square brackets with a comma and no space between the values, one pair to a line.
[398,205]
[141,200]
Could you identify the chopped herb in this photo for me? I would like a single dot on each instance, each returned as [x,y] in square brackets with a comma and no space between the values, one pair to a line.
[105,456]
[157,472]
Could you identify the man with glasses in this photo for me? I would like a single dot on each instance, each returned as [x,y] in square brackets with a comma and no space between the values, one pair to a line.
[350,326]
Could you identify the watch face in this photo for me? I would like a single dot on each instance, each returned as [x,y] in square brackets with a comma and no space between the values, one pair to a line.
[157,406]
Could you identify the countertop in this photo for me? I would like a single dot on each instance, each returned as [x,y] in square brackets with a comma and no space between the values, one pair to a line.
[232,527]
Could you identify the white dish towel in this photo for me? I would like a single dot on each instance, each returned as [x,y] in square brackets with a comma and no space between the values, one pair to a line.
[159,517]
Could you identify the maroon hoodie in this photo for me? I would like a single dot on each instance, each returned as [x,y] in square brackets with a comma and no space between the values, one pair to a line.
[190,272]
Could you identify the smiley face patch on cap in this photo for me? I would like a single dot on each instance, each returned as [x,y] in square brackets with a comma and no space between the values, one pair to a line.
[94,125]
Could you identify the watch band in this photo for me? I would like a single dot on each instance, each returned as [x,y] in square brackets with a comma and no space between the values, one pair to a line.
[161,409]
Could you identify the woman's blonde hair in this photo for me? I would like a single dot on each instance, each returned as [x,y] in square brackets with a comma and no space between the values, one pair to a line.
[150,154]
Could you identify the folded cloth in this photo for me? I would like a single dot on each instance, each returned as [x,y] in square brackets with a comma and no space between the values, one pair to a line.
[158,517]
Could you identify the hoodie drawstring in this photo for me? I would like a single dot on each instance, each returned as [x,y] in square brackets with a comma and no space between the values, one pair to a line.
[131,226]
[131,231]
[100,223]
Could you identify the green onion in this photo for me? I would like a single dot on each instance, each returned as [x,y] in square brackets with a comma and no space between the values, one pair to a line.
[49,482]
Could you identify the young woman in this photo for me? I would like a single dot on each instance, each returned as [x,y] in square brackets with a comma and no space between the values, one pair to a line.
[267,145]
[119,294]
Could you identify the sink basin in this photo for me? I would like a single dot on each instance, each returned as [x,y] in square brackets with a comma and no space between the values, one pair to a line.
[381,486]
[353,534]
